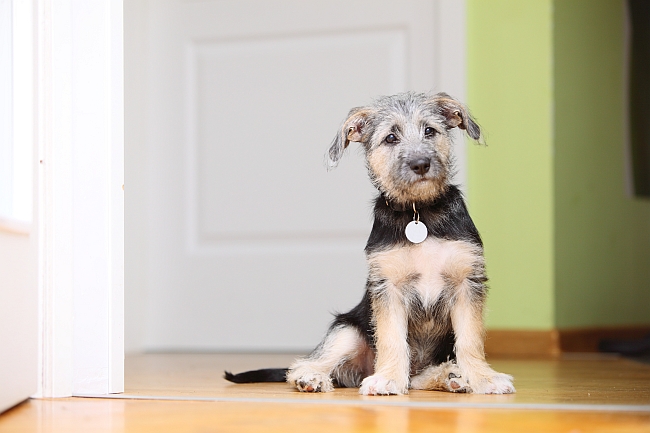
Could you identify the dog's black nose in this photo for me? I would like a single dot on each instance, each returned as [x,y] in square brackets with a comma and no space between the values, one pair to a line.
[420,165]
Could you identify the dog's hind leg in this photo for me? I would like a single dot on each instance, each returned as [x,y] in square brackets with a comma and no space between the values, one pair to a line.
[336,357]
[443,377]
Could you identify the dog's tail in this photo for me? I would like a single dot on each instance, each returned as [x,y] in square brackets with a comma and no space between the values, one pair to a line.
[254,376]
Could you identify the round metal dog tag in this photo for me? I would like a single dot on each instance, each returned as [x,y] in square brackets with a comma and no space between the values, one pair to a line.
[416,232]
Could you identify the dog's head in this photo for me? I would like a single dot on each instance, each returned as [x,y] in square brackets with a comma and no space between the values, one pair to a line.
[407,143]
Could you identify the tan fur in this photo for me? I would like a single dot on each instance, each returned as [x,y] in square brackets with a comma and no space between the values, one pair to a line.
[437,262]
[315,371]
[425,190]
[391,330]
[379,162]
[457,114]
[443,147]
[352,128]
[443,377]
[467,321]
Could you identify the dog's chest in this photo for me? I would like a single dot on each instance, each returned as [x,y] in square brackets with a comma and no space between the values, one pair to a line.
[427,268]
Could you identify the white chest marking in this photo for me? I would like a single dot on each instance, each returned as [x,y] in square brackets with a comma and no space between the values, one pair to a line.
[435,262]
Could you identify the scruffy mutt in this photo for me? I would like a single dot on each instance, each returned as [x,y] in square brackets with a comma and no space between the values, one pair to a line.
[420,322]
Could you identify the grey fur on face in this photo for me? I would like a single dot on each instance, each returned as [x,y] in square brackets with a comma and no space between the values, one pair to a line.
[407,143]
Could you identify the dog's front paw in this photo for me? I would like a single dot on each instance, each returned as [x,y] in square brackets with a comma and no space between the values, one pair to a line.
[379,385]
[313,382]
[497,383]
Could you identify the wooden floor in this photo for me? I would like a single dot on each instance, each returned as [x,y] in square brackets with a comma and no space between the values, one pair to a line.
[178,393]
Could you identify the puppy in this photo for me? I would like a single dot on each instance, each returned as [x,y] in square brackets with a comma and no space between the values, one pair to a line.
[420,322]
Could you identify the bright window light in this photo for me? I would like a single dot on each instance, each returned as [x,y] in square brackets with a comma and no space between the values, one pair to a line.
[16,195]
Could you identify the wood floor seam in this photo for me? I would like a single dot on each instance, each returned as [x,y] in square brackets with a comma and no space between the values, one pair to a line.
[380,402]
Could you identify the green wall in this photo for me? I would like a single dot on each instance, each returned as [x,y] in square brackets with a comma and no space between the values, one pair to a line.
[602,238]
[510,182]
[565,246]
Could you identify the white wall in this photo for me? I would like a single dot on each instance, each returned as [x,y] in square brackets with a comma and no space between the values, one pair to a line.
[18,318]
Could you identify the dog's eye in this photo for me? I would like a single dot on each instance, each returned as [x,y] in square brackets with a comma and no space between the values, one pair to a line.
[429,131]
[390,139]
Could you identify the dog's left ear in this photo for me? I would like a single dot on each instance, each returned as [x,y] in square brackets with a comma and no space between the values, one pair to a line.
[456,115]
[354,128]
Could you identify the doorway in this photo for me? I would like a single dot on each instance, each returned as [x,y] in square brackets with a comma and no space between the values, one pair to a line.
[237,237]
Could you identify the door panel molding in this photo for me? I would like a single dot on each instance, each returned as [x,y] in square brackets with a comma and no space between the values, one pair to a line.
[211,79]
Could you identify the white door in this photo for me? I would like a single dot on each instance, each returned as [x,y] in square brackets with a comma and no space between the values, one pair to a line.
[18,240]
[239,235]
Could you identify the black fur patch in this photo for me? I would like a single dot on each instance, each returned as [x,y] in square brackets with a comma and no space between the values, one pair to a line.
[446,218]
[360,317]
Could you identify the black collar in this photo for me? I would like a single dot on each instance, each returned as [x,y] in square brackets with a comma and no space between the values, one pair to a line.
[408,207]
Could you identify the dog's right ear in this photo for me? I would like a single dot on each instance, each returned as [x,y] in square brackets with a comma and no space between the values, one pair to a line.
[457,115]
[355,128]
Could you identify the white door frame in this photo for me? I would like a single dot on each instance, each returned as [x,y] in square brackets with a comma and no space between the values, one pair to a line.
[79,183]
